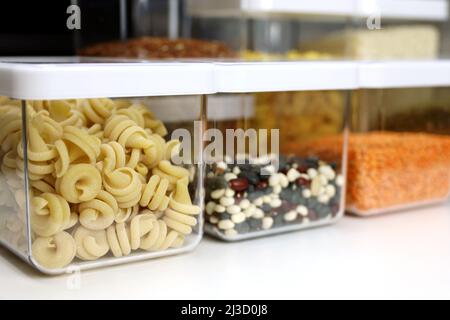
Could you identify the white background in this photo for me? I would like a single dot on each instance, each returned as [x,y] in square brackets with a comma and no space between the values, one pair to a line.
[400,255]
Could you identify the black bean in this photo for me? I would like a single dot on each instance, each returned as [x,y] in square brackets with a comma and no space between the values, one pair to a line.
[255,224]
[242,227]
[224,216]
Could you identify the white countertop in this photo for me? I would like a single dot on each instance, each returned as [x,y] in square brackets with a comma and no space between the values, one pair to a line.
[401,255]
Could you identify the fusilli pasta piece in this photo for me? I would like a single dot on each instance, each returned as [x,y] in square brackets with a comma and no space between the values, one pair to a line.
[100,212]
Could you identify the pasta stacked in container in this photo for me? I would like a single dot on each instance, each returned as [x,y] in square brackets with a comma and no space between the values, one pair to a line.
[101,180]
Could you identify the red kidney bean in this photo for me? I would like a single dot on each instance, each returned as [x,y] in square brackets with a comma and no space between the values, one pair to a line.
[238,184]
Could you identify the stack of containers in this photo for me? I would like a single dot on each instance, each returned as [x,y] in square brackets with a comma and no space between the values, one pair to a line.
[104,179]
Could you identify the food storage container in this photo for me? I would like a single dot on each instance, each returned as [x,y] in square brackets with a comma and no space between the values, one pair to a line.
[154,31]
[90,177]
[399,148]
[267,30]
[393,29]
[261,176]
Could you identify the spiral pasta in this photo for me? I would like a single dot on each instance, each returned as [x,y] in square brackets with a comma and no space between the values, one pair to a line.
[172,173]
[50,214]
[126,214]
[96,110]
[82,182]
[161,238]
[181,212]
[125,185]
[75,146]
[61,111]
[125,131]
[98,213]
[154,194]
[39,155]
[113,156]
[160,150]
[11,125]
[54,252]
[118,237]
[91,244]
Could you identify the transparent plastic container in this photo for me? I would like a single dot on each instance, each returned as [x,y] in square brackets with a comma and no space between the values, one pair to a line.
[394,29]
[266,177]
[399,148]
[268,30]
[102,180]
[154,32]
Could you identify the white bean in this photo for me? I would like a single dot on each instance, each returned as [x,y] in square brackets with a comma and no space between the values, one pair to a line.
[258,202]
[210,206]
[258,214]
[217,194]
[284,181]
[229,176]
[323,179]
[277,189]
[222,165]
[219,208]
[302,210]
[238,218]
[230,232]
[312,173]
[244,204]
[226,202]
[249,211]
[290,216]
[293,175]
[213,220]
[229,192]
[226,224]
[267,223]
[323,198]
[274,180]
[306,193]
[330,190]
[275,203]
[234,209]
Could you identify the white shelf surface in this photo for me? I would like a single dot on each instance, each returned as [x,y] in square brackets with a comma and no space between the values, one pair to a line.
[427,10]
[400,255]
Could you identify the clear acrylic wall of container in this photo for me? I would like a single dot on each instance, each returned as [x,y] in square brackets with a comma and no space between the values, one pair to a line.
[102,181]
[258,30]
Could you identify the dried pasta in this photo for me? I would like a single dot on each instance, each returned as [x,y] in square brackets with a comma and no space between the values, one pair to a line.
[100,178]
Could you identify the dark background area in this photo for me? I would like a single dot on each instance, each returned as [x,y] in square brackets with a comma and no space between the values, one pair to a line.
[39,27]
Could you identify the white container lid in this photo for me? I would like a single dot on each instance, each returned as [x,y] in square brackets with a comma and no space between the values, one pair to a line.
[61,78]
[244,77]
[432,10]
[404,74]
